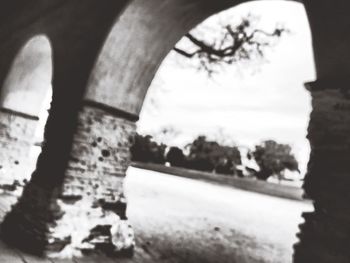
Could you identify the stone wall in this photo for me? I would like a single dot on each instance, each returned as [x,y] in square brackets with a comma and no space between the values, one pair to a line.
[16,143]
[92,196]
[87,211]
[325,235]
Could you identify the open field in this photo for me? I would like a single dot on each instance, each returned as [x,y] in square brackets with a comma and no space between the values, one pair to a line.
[181,220]
[250,184]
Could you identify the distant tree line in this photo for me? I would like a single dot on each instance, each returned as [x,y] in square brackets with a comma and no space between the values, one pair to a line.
[144,149]
[202,154]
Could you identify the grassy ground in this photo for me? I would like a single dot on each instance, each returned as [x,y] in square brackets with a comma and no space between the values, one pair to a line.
[180,220]
[185,220]
[250,184]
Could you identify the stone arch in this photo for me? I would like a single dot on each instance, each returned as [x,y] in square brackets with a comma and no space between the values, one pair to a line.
[23,94]
[138,43]
[27,82]
[142,35]
[146,32]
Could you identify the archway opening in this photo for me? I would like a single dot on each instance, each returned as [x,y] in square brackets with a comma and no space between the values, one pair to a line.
[239,106]
[24,100]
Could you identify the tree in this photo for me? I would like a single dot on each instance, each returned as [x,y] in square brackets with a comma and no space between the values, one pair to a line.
[199,154]
[144,149]
[236,43]
[176,157]
[210,156]
[274,158]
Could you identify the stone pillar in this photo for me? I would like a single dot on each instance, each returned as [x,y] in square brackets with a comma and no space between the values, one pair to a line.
[17,131]
[86,211]
[75,184]
[325,235]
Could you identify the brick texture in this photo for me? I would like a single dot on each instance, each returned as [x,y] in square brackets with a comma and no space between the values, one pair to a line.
[16,144]
[325,235]
[87,212]
[92,197]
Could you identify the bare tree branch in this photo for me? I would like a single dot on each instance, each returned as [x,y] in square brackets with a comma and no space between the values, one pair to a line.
[184,53]
[241,42]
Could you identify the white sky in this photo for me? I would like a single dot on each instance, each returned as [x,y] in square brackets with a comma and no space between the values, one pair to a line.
[249,107]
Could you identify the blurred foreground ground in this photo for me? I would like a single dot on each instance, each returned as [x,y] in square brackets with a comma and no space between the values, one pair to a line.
[180,220]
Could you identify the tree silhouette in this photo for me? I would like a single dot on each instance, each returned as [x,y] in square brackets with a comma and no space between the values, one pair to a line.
[144,149]
[210,156]
[237,43]
[176,157]
[274,158]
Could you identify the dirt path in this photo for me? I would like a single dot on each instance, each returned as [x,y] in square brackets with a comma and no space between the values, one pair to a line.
[179,220]
[184,220]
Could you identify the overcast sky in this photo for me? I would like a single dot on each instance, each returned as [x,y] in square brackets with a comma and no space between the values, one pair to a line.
[247,104]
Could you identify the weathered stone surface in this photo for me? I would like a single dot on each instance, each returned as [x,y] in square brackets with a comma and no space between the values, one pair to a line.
[143,32]
[325,235]
[16,143]
[329,136]
[87,211]
[26,226]
[92,197]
